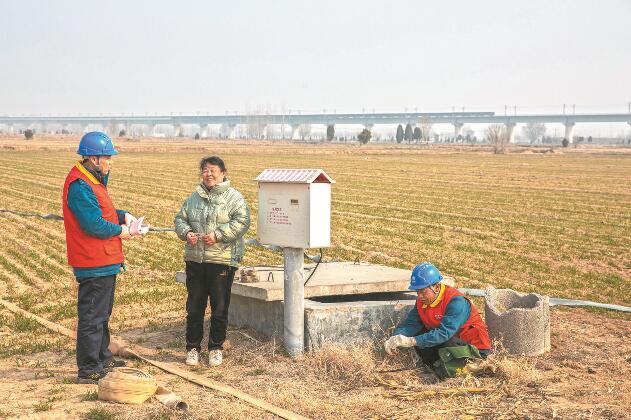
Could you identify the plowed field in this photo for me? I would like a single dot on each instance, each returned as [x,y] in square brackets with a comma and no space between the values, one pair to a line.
[554,223]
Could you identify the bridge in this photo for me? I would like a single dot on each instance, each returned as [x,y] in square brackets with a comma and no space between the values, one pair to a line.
[229,123]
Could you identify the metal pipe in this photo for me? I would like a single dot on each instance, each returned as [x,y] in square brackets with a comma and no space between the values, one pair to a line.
[294,304]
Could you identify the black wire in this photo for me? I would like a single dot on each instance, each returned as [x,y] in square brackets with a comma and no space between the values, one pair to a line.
[314,268]
[29,214]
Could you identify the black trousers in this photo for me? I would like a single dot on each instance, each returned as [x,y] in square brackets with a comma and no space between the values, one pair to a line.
[203,281]
[430,355]
[94,308]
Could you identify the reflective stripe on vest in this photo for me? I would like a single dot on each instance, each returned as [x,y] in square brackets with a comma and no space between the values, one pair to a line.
[85,251]
[473,331]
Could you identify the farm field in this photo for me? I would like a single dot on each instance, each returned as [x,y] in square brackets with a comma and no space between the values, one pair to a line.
[553,223]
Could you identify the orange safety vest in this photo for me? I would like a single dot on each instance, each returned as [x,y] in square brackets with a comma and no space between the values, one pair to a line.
[85,251]
[473,331]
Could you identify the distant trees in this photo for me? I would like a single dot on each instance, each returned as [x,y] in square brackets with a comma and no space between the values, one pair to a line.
[330,132]
[28,134]
[122,133]
[565,142]
[417,134]
[196,136]
[364,136]
[408,132]
[400,134]
[498,137]
[534,131]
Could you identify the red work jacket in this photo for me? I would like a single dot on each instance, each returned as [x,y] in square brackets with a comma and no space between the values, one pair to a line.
[473,331]
[85,251]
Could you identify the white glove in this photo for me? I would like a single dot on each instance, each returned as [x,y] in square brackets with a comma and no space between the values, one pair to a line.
[124,232]
[136,228]
[129,218]
[398,341]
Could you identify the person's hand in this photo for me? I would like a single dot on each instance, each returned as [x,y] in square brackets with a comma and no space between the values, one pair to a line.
[398,341]
[191,238]
[129,219]
[210,239]
[135,227]
[124,232]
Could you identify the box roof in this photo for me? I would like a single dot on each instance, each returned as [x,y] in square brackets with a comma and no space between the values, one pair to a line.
[294,176]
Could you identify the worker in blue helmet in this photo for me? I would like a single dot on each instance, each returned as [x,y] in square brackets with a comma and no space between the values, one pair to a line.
[442,317]
[94,229]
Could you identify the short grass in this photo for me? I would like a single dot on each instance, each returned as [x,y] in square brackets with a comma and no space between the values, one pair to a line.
[90,396]
[99,413]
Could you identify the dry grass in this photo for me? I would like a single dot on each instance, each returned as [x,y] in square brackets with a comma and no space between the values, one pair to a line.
[348,367]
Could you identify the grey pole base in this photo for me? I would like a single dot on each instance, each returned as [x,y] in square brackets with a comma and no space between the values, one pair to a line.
[294,304]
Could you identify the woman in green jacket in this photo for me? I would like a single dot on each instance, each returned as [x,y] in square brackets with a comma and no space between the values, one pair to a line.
[212,221]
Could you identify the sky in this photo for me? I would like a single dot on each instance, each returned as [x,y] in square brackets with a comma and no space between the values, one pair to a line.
[69,57]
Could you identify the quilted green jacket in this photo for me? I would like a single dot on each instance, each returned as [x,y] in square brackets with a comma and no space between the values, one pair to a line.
[221,210]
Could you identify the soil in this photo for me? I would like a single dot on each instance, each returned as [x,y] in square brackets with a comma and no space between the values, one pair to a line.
[586,375]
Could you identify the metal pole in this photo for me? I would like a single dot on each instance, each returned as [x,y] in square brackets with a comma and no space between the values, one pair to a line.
[294,305]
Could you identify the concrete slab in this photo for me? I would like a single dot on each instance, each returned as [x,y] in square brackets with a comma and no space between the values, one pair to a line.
[338,278]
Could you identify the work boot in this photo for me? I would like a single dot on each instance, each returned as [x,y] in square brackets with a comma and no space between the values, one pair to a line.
[215,358]
[192,357]
[92,378]
[112,363]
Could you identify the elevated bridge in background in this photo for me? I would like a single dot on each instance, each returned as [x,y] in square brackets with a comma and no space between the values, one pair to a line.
[230,122]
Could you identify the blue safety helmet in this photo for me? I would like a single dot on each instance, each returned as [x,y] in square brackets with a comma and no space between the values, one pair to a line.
[424,275]
[96,143]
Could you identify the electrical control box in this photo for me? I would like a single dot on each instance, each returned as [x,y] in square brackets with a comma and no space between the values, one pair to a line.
[294,208]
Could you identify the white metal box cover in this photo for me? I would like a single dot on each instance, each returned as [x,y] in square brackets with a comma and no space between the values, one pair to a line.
[294,208]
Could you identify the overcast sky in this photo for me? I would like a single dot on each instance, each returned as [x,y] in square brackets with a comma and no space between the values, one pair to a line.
[71,56]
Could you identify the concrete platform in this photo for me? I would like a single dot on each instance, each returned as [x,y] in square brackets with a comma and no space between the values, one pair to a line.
[346,303]
[330,279]
[338,278]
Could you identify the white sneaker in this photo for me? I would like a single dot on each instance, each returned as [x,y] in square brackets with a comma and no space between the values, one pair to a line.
[215,358]
[192,357]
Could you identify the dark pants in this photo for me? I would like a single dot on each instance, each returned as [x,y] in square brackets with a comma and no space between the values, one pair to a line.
[94,307]
[203,281]
[430,355]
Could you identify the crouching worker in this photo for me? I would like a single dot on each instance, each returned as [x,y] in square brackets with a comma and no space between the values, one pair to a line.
[445,328]
[94,229]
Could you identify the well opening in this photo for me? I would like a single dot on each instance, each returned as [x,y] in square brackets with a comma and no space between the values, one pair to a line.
[363,297]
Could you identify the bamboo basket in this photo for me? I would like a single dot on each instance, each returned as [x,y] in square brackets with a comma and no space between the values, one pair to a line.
[127,386]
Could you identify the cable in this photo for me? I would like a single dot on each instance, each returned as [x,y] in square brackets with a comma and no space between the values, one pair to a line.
[29,214]
[314,268]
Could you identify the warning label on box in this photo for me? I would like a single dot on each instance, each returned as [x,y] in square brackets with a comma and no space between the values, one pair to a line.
[277,216]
